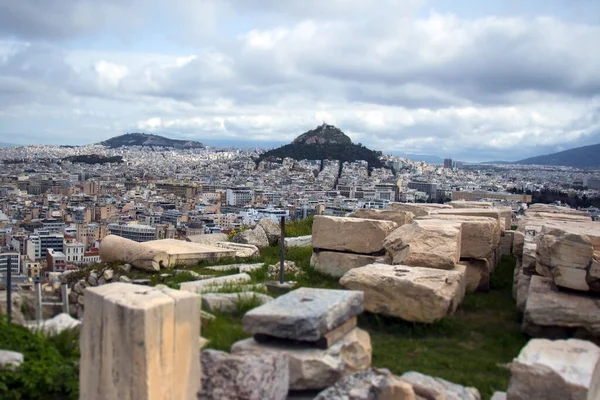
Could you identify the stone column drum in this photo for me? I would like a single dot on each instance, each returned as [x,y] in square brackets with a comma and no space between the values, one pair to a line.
[139,343]
[116,248]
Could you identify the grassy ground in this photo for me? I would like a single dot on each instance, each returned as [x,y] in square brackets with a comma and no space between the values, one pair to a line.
[468,348]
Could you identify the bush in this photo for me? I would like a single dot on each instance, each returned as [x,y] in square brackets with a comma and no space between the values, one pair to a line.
[50,370]
[235,231]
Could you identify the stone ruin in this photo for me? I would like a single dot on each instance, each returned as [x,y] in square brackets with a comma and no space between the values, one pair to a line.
[413,262]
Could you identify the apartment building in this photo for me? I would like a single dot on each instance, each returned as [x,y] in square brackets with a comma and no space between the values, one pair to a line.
[137,233]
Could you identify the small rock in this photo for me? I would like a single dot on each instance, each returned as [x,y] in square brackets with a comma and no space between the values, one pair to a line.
[108,274]
[165,276]
[205,317]
[499,396]
[443,389]
[10,359]
[141,282]
[202,342]
[81,299]
[372,384]
[193,274]
[73,295]
[126,267]
[101,281]
[250,375]
[272,229]
[57,324]
[124,279]
[80,286]
[289,267]
[93,279]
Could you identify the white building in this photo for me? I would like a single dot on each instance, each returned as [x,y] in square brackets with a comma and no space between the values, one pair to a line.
[73,251]
[137,233]
[239,196]
[15,264]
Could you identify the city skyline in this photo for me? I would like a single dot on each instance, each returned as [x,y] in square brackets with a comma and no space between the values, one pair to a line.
[501,81]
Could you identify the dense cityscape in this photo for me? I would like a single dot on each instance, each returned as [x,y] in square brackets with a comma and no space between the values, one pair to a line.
[55,212]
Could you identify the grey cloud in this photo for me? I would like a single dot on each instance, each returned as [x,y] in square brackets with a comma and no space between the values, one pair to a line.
[59,19]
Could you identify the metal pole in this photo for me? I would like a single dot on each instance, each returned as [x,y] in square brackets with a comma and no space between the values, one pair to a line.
[9,288]
[65,297]
[38,301]
[282,250]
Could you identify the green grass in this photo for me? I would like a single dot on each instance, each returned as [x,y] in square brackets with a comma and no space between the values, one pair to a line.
[469,348]
[300,227]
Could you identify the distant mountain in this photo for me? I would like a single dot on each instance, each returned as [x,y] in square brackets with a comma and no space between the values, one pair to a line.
[586,156]
[8,144]
[145,139]
[325,142]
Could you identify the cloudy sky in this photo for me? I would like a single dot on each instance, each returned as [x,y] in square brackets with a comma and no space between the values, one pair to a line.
[474,80]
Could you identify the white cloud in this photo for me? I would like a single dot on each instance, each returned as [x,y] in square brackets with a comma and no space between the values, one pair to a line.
[393,79]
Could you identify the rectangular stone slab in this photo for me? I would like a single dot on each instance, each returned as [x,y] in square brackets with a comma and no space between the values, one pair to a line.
[187,253]
[325,342]
[355,235]
[304,314]
[213,283]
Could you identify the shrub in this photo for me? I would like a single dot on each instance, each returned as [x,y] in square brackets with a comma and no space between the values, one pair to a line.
[50,370]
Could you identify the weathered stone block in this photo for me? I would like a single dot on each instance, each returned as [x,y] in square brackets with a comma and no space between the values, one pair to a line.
[426,243]
[547,309]
[241,250]
[399,217]
[480,236]
[245,375]
[272,230]
[356,235]
[299,241]
[139,343]
[470,204]
[257,237]
[567,255]
[304,314]
[419,210]
[506,242]
[518,241]
[477,275]
[411,293]
[312,368]
[206,285]
[336,264]
[560,370]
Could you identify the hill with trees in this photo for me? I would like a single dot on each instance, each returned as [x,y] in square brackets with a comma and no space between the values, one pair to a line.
[146,139]
[326,142]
